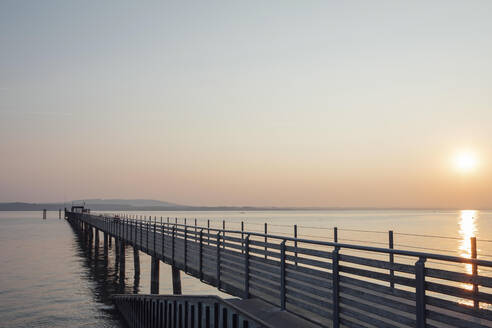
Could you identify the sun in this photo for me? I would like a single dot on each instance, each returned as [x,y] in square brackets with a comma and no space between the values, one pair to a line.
[465,161]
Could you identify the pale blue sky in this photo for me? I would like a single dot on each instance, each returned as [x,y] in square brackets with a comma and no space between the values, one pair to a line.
[354,103]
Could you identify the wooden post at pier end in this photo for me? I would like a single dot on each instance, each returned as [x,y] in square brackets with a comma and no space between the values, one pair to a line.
[44,214]
[59,214]
[136,261]
[176,281]
[154,276]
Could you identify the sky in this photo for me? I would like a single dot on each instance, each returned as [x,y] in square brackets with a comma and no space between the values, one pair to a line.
[266,103]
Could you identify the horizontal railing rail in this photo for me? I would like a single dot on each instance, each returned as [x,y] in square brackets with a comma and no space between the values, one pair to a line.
[328,283]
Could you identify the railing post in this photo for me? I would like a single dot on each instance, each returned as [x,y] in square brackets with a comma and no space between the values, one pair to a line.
[242,237]
[185,247]
[223,234]
[155,235]
[335,288]
[208,232]
[335,234]
[266,240]
[420,292]
[246,267]
[148,229]
[172,256]
[391,259]
[218,260]
[141,234]
[282,275]
[295,244]
[473,248]
[201,254]
[163,239]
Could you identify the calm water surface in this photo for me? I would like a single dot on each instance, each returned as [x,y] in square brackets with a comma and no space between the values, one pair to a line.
[48,278]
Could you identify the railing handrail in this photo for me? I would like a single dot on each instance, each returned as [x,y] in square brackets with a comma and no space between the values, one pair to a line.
[439,257]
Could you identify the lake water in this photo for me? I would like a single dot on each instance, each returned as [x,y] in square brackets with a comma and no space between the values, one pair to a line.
[49,279]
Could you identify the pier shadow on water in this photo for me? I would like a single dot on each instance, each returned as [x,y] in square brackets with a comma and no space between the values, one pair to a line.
[103,273]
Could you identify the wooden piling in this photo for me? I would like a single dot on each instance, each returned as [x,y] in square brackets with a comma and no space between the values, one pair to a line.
[122,261]
[105,244]
[136,261]
[96,239]
[117,250]
[154,276]
[176,281]
[44,214]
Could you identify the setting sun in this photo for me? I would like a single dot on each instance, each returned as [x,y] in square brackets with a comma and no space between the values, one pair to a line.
[465,161]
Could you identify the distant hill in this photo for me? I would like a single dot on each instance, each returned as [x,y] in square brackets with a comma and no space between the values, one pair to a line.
[127,202]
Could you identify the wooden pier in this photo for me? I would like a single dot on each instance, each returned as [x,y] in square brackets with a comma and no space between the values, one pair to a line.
[302,282]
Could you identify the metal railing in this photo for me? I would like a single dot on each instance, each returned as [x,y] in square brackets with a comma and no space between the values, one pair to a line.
[148,311]
[329,283]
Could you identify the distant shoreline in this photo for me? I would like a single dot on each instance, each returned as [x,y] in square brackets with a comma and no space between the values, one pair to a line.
[17,206]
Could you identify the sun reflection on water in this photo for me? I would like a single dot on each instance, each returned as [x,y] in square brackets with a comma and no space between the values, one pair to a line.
[468,229]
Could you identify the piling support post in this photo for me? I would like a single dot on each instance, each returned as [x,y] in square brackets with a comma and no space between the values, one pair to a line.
[136,261]
[105,244]
[122,260]
[176,281]
[117,250]
[96,239]
[154,276]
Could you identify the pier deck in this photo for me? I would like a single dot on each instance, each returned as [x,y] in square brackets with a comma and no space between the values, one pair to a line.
[326,283]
